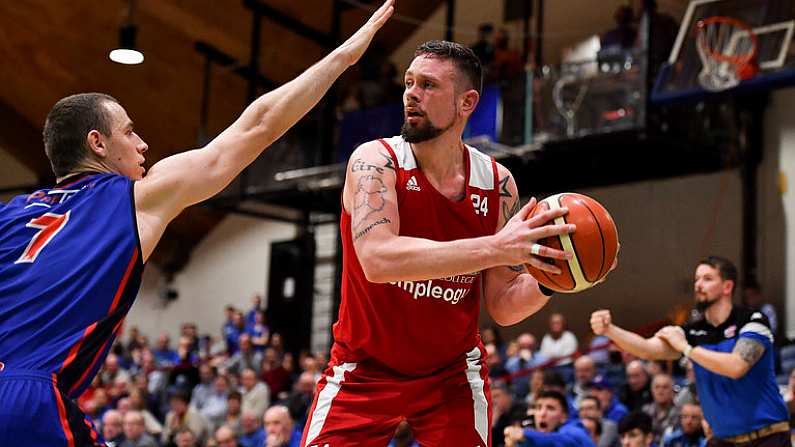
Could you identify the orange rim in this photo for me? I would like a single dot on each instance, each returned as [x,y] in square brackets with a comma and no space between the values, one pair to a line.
[738,60]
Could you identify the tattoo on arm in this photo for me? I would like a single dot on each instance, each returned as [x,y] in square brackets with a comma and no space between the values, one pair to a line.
[389,164]
[367,229]
[368,199]
[509,211]
[750,350]
[361,165]
[504,187]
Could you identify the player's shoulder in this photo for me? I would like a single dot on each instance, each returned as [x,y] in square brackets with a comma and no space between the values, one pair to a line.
[749,318]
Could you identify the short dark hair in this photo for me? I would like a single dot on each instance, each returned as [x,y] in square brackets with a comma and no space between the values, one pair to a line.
[234,395]
[564,405]
[726,268]
[636,419]
[463,57]
[66,127]
[553,378]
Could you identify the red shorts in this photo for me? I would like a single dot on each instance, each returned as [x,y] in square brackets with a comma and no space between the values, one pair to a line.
[362,404]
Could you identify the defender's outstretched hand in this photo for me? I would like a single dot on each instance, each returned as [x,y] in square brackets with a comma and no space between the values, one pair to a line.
[354,47]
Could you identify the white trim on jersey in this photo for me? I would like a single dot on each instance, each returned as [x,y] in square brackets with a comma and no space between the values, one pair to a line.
[403,152]
[757,328]
[329,392]
[481,405]
[481,174]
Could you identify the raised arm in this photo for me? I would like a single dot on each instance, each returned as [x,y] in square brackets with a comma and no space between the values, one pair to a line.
[511,293]
[369,197]
[653,348]
[187,178]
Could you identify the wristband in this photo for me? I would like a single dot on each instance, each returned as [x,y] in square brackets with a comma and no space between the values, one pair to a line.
[545,290]
[687,351]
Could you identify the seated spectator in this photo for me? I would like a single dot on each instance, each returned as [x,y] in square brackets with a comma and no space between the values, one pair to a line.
[301,398]
[135,431]
[112,370]
[403,436]
[204,389]
[181,415]
[584,374]
[752,297]
[113,428]
[256,396]
[484,47]
[225,437]
[594,427]
[185,438]
[505,411]
[491,335]
[525,357]
[637,391]
[612,408]
[246,357]
[164,355]
[623,35]
[687,392]
[690,433]
[558,342]
[635,430]
[138,402]
[591,408]
[507,61]
[664,414]
[280,429]
[215,406]
[494,362]
[253,435]
[233,411]
[274,374]
[550,428]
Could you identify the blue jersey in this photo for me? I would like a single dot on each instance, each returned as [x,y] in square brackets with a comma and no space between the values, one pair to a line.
[734,407]
[70,268]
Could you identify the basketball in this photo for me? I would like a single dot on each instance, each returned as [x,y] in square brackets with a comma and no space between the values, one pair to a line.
[594,243]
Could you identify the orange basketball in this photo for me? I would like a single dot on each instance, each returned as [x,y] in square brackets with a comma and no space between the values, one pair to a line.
[594,243]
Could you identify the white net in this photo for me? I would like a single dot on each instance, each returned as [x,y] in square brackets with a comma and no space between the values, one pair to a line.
[726,47]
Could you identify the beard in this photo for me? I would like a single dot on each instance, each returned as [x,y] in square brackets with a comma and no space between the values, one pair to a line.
[702,306]
[423,131]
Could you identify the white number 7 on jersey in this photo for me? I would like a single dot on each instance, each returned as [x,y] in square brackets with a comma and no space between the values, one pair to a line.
[49,225]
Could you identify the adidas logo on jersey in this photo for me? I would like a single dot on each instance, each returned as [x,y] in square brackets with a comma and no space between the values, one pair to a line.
[412,185]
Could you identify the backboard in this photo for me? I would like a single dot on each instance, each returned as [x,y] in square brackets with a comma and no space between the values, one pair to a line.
[682,77]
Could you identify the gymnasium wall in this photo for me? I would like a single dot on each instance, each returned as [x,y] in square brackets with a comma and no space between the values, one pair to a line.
[227,267]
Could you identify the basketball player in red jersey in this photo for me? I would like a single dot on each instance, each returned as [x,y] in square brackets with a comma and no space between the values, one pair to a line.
[428,223]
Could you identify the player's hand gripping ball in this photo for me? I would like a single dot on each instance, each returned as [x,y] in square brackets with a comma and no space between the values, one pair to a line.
[594,243]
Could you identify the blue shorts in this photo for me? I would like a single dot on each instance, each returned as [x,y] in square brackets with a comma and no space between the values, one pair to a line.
[35,413]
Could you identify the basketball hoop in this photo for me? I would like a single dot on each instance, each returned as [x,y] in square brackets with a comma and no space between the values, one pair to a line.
[727,48]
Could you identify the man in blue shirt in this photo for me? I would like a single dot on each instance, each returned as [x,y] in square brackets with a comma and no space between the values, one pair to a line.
[550,415]
[689,433]
[635,430]
[732,353]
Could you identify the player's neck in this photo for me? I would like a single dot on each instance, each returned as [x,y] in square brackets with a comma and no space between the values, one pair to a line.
[440,157]
[719,312]
[87,166]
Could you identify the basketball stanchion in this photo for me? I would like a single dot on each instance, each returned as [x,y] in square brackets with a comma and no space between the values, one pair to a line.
[569,109]
[727,48]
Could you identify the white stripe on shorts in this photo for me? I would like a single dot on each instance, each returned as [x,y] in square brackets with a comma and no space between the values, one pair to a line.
[476,383]
[329,392]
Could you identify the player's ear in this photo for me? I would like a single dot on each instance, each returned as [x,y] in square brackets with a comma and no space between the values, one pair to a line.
[96,143]
[469,101]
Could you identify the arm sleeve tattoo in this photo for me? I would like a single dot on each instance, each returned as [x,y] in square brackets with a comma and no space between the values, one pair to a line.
[750,350]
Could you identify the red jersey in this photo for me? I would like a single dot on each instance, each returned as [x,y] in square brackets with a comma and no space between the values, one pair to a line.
[419,327]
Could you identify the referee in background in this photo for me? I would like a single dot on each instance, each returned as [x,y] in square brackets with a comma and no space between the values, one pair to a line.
[732,353]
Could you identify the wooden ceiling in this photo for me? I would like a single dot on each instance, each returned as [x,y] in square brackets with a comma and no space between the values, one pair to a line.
[53,48]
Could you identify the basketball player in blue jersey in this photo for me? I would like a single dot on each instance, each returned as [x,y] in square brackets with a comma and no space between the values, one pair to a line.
[71,257]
